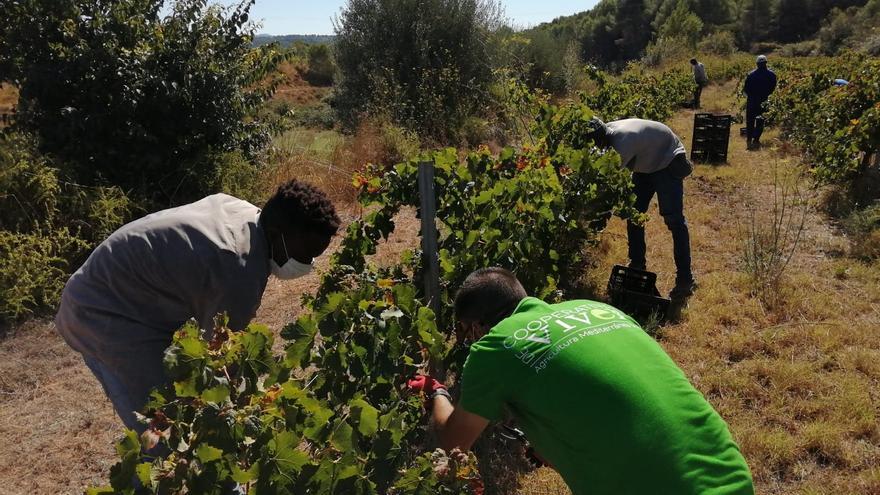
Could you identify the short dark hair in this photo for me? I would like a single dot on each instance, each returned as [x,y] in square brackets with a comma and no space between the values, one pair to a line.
[693,61]
[301,204]
[488,296]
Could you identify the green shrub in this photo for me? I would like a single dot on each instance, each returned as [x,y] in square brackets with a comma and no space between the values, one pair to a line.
[863,228]
[320,116]
[803,49]
[663,50]
[321,69]
[34,268]
[721,43]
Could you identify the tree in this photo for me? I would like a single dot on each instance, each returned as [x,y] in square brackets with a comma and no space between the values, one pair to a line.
[321,67]
[683,25]
[424,63]
[788,19]
[754,22]
[634,28]
[122,95]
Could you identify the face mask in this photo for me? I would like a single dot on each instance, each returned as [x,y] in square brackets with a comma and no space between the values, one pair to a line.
[291,269]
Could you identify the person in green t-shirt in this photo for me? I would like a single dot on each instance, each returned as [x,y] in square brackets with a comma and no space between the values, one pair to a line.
[597,397]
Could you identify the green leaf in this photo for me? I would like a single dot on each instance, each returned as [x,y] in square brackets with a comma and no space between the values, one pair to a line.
[207,453]
[241,476]
[103,490]
[144,472]
[287,454]
[341,438]
[302,333]
[216,394]
[130,444]
[366,417]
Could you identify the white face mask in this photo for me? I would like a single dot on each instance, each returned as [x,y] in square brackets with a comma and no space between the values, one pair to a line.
[291,268]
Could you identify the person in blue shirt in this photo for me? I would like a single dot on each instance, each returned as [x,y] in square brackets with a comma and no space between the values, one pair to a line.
[759,85]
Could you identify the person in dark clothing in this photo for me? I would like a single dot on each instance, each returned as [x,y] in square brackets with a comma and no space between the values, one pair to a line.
[760,84]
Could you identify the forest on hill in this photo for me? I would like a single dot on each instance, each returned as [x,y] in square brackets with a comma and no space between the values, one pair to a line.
[616,31]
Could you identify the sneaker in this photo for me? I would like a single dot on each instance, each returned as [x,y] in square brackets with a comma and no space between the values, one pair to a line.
[683,290]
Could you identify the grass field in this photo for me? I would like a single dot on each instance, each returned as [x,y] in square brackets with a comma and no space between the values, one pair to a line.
[797,376]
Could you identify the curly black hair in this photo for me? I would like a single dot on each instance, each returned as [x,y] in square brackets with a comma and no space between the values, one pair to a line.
[300,203]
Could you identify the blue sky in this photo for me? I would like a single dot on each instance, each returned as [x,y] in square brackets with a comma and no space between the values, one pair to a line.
[315,16]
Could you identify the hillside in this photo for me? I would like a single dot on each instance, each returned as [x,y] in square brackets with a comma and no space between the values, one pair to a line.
[287,40]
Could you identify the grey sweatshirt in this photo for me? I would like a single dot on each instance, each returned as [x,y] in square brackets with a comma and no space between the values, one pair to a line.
[150,276]
[644,146]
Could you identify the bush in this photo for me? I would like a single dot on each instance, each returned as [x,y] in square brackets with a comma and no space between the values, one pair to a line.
[807,48]
[47,226]
[764,47]
[425,64]
[321,69]
[871,46]
[33,269]
[721,43]
[123,93]
[863,227]
[664,49]
[319,116]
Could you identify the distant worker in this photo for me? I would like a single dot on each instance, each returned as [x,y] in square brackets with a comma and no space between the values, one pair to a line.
[597,397]
[122,307]
[700,79]
[659,164]
[760,84]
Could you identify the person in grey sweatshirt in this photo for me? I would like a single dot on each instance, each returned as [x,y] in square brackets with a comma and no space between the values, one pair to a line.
[700,79]
[659,164]
[121,308]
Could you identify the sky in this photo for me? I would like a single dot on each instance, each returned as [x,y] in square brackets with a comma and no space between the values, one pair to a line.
[315,16]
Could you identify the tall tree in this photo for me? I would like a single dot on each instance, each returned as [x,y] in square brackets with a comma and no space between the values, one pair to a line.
[755,22]
[788,19]
[425,63]
[633,28]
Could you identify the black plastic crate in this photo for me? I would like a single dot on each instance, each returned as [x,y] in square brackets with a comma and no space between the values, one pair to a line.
[635,292]
[711,137]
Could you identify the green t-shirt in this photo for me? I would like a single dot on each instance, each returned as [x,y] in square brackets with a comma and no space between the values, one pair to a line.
[602,402]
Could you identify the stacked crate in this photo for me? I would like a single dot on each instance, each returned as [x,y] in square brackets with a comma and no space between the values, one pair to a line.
[711,135]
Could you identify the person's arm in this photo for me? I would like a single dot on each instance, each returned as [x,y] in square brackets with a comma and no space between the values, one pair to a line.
[455,427]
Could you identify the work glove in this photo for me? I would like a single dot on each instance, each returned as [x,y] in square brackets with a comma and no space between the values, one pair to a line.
[427,385]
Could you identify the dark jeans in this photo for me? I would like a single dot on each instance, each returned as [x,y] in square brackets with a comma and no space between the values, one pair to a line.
[698,91]
[670,196]
[753,110]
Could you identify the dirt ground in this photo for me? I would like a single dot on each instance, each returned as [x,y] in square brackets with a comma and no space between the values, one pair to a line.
[797,380]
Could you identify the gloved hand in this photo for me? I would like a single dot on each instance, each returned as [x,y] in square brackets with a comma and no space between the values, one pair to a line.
[427,385]
[424,383]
